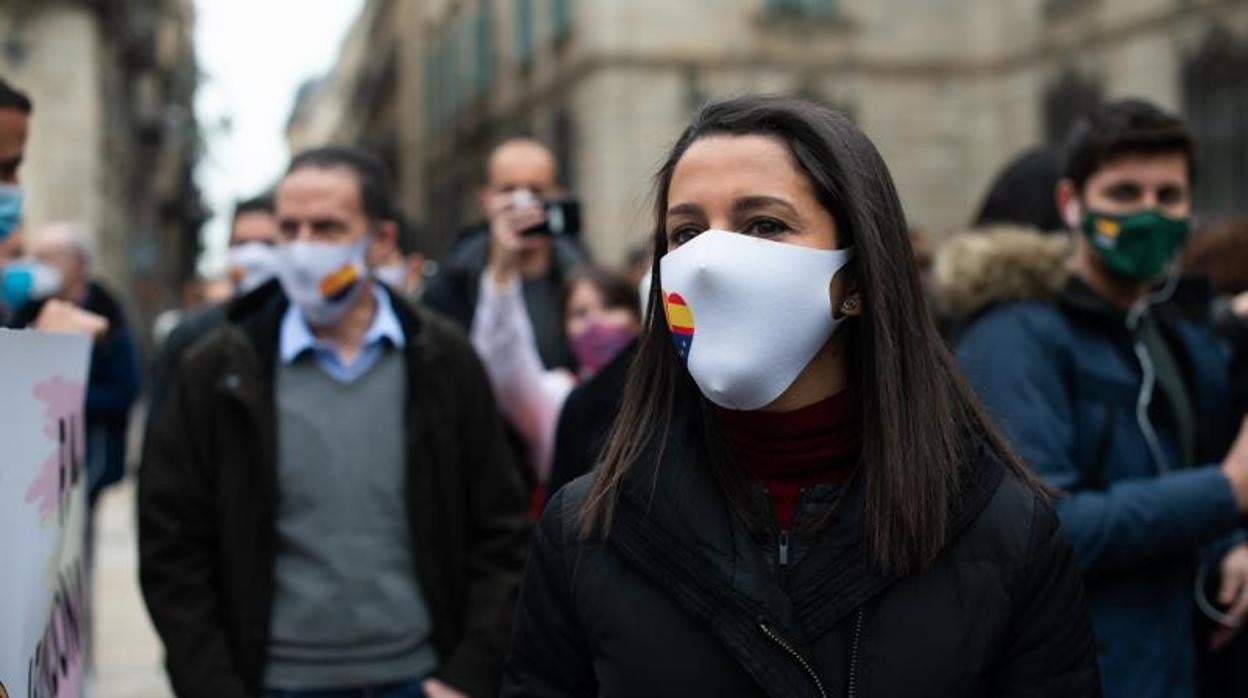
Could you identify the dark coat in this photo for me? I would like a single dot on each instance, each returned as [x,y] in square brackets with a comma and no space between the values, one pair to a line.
[189,331]
[112,386]
[1062,378]
[1234,332]
[680,600]
[585,419]
[454,290]
[208,495]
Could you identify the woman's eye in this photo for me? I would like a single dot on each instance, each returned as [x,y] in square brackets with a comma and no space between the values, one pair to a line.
[682,235]
[766,228]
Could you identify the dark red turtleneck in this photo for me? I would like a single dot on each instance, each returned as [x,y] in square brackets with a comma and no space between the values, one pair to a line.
[786,452]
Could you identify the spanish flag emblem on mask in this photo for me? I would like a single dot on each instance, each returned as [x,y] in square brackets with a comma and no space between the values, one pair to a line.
[339,283]
[679,322]
[1108,228]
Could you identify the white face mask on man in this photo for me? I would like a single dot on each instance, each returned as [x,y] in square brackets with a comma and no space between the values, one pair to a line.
[322,279]
[251,264]
[392,275]
[748,315]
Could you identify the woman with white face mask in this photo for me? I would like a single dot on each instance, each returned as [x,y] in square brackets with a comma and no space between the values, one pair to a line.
[800,496]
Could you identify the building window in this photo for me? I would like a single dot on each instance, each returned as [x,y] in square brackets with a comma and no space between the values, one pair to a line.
[524,33]
[433,88]
[448,82]
[451,86]
[1057,9]
[1069,97]
[696,95]
[803,8]
[1215,99]
[561,19]
[464,68]
[483,42]
[564,145]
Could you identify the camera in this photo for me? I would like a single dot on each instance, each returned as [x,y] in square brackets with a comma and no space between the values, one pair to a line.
[562,218]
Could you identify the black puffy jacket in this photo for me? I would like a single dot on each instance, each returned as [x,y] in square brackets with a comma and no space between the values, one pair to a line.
[681,600]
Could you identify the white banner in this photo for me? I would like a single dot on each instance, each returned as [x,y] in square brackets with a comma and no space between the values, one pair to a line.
[44,586]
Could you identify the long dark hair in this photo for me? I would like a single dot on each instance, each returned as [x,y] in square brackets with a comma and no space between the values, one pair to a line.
[918,414]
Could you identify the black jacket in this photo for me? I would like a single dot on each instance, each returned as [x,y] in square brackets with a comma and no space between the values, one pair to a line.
[680,600]
[1234,333]
[208,494]
[190,330]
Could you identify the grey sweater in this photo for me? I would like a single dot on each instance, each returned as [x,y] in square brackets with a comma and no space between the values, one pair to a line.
[347,609]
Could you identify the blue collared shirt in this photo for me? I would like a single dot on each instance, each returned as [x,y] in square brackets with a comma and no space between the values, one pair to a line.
[297,339]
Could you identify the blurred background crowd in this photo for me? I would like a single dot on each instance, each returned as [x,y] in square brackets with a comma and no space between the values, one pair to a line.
[160,129]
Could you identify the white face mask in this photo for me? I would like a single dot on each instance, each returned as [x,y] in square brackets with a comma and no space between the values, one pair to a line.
[748,315]
[251,264]
[643,295]
[322,279]
[393,275]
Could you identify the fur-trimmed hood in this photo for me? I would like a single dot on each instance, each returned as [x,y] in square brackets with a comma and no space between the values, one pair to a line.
[977,269]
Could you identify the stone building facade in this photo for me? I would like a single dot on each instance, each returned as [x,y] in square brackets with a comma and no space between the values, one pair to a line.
[113,136]
[949,90]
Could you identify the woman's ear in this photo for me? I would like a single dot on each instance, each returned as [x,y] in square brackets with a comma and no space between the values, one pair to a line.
[846,298]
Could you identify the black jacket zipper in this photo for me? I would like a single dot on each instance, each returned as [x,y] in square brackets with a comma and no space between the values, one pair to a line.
[797,656]
[783,551]
[855,655]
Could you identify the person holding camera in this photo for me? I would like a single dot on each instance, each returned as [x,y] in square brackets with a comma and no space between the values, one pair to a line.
[529,225]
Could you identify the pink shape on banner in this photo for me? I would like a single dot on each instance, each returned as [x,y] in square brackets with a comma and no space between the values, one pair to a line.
[63,399]
[70,683]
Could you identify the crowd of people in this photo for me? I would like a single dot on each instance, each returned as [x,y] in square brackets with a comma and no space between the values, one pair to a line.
[800,450]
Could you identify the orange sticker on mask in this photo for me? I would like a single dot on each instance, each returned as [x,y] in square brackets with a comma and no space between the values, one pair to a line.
[339,282]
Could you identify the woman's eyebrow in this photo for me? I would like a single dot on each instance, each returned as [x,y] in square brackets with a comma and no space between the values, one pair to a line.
[750,203]
[683,209]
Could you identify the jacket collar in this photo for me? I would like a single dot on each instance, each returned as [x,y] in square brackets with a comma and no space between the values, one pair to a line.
[296,336]
[1190,299]
[258,315]
[1076,295]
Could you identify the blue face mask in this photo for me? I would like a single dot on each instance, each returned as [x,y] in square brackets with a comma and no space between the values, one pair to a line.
[27,280]
[10,208]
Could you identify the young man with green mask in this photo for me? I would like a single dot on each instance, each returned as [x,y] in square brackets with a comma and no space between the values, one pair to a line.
[1119,400]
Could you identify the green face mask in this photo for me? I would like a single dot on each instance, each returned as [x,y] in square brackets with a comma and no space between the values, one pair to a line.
[1135,246]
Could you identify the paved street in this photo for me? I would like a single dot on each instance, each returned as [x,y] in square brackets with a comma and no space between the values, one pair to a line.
[127,652]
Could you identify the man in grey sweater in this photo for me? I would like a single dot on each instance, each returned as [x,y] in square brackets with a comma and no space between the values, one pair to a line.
[329,509]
